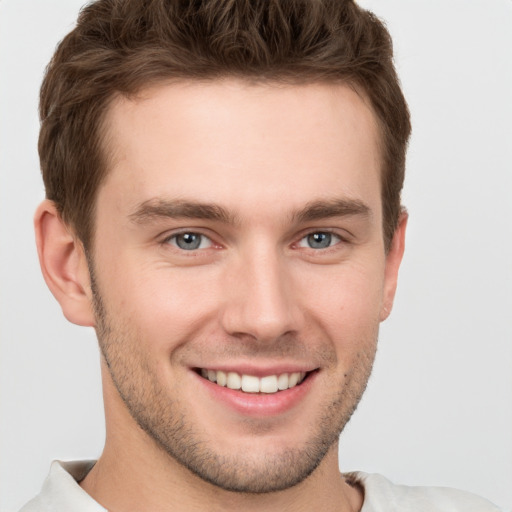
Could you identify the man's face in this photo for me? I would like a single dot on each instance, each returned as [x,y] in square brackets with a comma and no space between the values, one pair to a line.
[238,239]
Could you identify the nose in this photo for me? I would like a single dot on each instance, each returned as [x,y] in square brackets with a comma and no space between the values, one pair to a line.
[260,300]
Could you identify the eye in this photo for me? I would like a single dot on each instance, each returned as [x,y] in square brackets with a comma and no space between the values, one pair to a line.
[190,241]
[319,240]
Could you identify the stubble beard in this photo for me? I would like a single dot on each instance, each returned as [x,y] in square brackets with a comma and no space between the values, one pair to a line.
[162,417]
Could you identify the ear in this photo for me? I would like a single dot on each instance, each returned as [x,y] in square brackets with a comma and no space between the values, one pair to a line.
[64,265]
[393,260]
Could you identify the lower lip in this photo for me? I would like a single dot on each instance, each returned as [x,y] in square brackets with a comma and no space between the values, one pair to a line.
[259,404]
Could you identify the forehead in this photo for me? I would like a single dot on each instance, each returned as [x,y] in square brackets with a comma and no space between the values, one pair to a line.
[239,143]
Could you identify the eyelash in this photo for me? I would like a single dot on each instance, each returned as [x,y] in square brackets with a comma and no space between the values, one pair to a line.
[174,237]
[173,240]
[328,234]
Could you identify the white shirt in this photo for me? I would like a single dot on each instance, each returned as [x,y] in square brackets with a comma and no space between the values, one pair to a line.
[61,493]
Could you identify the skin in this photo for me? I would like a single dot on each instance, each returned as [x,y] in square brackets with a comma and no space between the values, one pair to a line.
[255,295]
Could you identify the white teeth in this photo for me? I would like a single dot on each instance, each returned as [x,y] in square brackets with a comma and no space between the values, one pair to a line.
[234,381]
[268,384]
[282,381]
[292,381]
[222,378]
[252,384]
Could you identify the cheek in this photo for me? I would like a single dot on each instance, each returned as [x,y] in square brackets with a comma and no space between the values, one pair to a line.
[164,304]
[346,299]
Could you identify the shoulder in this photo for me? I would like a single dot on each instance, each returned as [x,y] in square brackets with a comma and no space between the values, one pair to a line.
[61,492]
[381,495]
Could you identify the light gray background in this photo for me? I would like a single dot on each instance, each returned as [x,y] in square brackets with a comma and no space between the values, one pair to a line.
[438,410]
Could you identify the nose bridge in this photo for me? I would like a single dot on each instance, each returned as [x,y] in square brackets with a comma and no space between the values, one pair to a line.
[260,300]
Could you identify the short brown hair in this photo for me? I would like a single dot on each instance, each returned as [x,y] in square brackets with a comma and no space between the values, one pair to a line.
[122,46]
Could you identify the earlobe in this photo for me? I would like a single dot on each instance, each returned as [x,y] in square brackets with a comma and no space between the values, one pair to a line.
[64,265]
[393,260]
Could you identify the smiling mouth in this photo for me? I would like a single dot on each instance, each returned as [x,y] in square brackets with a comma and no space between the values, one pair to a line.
[252,384]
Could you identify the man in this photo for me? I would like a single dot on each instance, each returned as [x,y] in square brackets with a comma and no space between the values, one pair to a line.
[223,207]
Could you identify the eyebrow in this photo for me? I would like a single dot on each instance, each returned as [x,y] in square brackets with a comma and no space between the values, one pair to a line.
[323,209]
[154,209]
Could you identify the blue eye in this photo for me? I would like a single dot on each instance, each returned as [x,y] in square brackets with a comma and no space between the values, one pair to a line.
[190,241]
[319,240]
